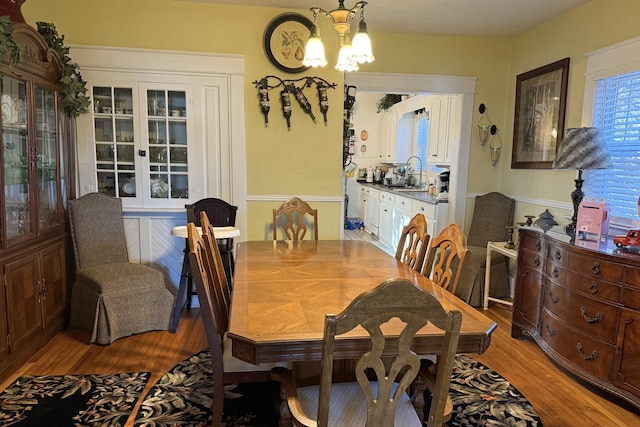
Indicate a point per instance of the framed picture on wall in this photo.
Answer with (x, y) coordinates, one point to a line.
(541, 97)
(285, 39)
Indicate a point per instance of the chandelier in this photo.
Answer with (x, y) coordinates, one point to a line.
(352, 52)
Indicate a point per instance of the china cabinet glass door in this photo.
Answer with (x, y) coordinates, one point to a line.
(114, 135)
(167, 134)
(47, 158)
(17, 159)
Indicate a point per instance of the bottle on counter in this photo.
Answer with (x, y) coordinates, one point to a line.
(370, 174)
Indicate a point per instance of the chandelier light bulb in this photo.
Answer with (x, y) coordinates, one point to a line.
(361, 44)
(345, 59)
(314, 50)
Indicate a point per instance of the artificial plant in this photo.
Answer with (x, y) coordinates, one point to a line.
(75, 101)
(17, 52)
(387, 101)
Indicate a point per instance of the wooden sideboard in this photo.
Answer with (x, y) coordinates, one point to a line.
(582, 307)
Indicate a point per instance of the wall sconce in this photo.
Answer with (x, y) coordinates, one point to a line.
(495, 145)
(351, 53)
(484, 125)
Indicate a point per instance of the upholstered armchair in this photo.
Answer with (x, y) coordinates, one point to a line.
(492, 213)
(112, 297)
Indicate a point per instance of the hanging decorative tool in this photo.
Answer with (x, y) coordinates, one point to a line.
(290, 87)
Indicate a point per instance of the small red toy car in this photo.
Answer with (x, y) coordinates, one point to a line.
(631, 239)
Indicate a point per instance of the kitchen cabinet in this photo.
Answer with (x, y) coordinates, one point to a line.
(582, 307)
(402, 216)
(37, 178)
(444, 128)
(388, 136)
(387, 200)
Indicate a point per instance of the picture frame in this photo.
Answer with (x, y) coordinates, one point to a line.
(284, 41)
(541, 97)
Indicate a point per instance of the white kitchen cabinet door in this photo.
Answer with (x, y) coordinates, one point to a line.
(438, 129)
(388, 130)
(373, 211)
(401, 217)
(386, 218)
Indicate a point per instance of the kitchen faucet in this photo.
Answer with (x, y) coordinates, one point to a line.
(419, 170)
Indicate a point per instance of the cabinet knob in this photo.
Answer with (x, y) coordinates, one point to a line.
(595, 269)
(555, 272)
(553, 299)
(536, 261)
(538, 245)
(558, 255)
(549, 330)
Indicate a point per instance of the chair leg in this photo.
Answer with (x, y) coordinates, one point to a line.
(183, 290)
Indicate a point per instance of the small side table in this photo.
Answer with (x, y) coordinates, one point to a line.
(500, 248)
(185, 287)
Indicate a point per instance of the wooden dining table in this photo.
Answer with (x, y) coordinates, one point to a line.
(283, 289)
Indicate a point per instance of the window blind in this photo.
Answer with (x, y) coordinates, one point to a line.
(616, 111)
(422, 137)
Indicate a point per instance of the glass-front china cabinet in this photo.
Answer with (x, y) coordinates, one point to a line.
(140, 139)
(35, 162)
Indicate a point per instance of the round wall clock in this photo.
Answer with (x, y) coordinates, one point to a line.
(284, 41)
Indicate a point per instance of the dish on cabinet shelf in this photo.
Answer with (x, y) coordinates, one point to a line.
(9, 110)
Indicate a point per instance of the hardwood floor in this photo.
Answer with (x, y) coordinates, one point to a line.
(560, 400)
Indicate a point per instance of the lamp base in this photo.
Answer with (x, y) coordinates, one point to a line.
(576, 198)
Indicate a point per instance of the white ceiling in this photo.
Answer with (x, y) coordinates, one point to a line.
(438, 17)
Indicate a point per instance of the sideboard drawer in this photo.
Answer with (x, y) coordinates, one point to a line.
(532, 260)
(532, 241)
(632, 277)
(596, 268)
(594, 287)
(589, 316)
(589, 354)
(558, 255)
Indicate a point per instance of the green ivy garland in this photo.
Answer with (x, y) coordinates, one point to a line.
(17, 52)
(75, 101)
(74, 88)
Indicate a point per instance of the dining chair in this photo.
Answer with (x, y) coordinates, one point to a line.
(446, 257)
(379, 397)
(217, 272)
(220, 214)
(111, 296)
(295, 210)
(492, 213)
(413, 243)
(208, 281)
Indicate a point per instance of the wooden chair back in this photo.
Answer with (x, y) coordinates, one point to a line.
(295, 210)
(392, 299)
(414, 242)
(447, 252)
(203, 275)
(222, 290)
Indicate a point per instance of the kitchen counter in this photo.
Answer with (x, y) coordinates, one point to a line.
(421, 195)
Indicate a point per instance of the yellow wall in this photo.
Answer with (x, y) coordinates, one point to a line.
(307, 159)
(594, 25)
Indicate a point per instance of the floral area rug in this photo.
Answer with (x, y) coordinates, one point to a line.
(182, 397)
(71, 400)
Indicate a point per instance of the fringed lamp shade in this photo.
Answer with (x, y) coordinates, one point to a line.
(581, 148)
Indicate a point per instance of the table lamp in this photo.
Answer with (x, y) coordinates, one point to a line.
(581, 148)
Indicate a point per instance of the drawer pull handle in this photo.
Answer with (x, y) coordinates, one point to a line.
(593, 356)
(598, 317)
(538, 245)
(596, 268)
(549, 330)
(555, 272)
(536, 261)
(552, 298)
(593, 288)
(558, 255)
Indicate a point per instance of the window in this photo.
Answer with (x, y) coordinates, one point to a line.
(422, 136)
(616, 112)
(612, 103)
